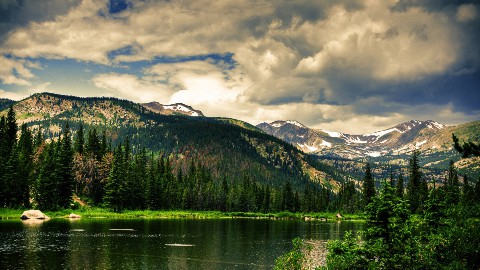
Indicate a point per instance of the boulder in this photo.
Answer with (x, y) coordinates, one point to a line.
(33, 214)
(339, 216)
(74, 216)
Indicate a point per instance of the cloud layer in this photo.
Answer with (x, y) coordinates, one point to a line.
(330, 64)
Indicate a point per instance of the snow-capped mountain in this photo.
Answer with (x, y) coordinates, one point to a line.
(177, 108)
(399, 139)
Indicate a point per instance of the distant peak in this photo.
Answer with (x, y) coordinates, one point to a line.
(280, 123)
(406, 126)
(176, 107)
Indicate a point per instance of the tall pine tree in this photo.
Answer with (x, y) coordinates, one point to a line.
(65, 169)
(368, 186)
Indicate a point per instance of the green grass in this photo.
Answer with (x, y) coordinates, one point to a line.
(94, 212)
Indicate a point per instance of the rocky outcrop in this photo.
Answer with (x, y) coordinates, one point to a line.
(33, 214)
(74, 216)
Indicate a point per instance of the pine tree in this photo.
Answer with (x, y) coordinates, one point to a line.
(452, 185)
(399, 187)
(288, 200)
(46, 185)
(11, 129)
(368, 186)
(3, 153)
(92, 146)
(65, 169)
(415, 187)
(468, 196)
(477, 191)
(25, 174)
(79, 140)
(38, 138)
(114, 189)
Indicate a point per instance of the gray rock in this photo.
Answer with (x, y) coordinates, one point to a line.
(33, 214)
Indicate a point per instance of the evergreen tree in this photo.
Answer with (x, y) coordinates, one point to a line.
(452, 185)
(3, 155)
(92, 146)
(46, 185)
(415, 188)
(79, 140)
(25, 170)
(288, 200)
(65, 168)
(11, 129)
(223, 195)
(468, 196)
(477, 191)
(114, 189)
(13, 185)
(399, 187)
(38, 138)
(467, 149)
(388, 237)
(368, 186)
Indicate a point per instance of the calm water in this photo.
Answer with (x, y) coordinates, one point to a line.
(156, 244)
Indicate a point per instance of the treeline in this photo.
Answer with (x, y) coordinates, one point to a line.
(354, 197)
(46, 172)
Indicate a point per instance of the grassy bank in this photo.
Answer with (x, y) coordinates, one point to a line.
(92, 212)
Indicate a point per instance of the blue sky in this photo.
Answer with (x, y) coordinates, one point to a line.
(349, 66)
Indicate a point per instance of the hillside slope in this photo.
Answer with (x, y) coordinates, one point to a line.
(227, 147)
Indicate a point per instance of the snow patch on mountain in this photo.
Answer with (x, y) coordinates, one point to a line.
(181, 108)
(355, 140)
(382, 133)
(332, 133)
(279, 124)
(418, 144)
(374, 154)
(325, 143)
(307, 148)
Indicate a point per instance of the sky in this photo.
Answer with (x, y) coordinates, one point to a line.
(354, 66)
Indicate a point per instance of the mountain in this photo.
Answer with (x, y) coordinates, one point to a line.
(177, 108)
(227, 147)
(393, 145)
(5, 103)
(399, 139)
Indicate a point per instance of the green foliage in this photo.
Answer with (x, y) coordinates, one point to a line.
(368, 185)
(467, 148)
(446, 236)
(348, 253)
(416, 186)
(292, 260)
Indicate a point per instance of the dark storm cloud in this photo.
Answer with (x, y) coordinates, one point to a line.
(17, 13)
(429, 5)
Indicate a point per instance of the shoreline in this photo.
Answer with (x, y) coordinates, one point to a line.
(94, 213)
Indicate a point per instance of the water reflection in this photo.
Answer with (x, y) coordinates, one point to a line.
(157, 244)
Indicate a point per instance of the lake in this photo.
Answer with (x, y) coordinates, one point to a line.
(156, 243)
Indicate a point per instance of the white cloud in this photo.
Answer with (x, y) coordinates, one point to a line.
(13, 71)
(466, 13)
(10, 95)
(131, 87)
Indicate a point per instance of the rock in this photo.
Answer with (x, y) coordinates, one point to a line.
(33, 214)
(74, 216)
(339, 216)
